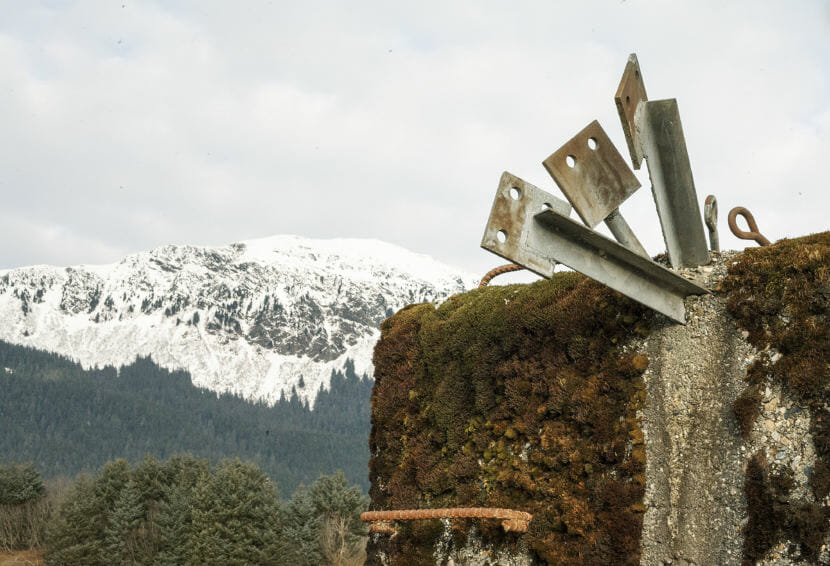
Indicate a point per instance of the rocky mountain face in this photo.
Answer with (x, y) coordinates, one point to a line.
(258, 318)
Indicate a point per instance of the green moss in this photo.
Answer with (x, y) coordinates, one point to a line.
(780, 294)
(514, 396)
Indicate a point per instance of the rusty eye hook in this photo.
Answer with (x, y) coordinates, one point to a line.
(753, 234)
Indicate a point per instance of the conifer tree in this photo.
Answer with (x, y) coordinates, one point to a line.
(300, 541)
(23, 507)
(334, 496)
(185, 471)
(114, 477)
(74, 536)
(20, 483)
(150, 478)
(123, 534)
(236, 517)
(175, 523)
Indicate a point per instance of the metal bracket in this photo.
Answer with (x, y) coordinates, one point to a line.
(521, 230)
(630, 93)
(596, 181)
(654, 132)
(514, 207)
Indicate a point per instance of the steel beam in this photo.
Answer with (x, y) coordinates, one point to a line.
(672, 184)
(654, 133)
(623, 233)
(523, 231)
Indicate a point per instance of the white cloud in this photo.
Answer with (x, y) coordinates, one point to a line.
(210, 122)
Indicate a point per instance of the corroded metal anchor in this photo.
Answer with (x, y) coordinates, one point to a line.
(381, 521)
(753, 233)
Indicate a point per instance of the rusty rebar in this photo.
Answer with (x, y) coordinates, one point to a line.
(710, 215)
(499, 271)
(382, 527)
(753, 233)
(511, 520)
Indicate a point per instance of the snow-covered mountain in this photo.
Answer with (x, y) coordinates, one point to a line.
(256, 318)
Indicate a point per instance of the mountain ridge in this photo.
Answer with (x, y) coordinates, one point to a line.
(257, 318)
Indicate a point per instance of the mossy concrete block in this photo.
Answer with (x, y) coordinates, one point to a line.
(619, 431)
(524, 399)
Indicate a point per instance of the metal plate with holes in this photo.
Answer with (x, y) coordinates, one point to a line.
(630, 93)
(592, 174)
(516, 202)
(537, 239)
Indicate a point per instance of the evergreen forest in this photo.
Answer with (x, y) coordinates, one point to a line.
(66, 419)
(180, 512)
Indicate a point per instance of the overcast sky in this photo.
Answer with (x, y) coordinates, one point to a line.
(127, 125)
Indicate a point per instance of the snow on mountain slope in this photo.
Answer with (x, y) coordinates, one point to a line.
(251, 318)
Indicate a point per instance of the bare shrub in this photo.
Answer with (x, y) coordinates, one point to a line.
(22, 526)
(340, 547)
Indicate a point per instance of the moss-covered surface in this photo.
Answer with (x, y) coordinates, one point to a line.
(746, 408)
(781, 295)
(519, 397)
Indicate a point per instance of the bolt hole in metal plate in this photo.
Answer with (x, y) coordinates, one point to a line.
(595, 180)
(541, 238)
(504, 234)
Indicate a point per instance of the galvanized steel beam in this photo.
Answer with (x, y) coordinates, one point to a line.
(672, 184)
(522, 230)
(654, 133)
(623, 233)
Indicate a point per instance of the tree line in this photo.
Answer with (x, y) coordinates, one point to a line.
(184, 512)
(68, 419)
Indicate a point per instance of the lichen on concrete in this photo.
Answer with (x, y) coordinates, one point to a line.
(780, 297)
(475, 551)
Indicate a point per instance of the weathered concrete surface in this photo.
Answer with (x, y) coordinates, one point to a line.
(694, 461)
(475, 552)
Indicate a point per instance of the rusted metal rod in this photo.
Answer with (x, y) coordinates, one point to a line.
(753, 233)
(511, 520)
(496, 271)
(710, 216)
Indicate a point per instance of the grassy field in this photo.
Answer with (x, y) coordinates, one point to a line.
(21, 558)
